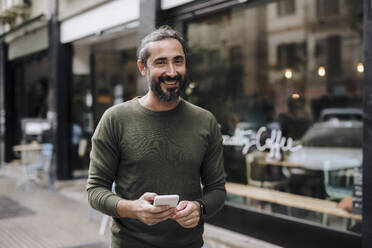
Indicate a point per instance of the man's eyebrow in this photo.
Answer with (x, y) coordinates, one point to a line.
(179, 57)
(160, 59)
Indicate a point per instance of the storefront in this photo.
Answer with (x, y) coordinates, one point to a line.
(27, 88)
(285, 80)
(62, 65)
(104, 71)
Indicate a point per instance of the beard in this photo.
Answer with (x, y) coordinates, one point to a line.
(170, 94)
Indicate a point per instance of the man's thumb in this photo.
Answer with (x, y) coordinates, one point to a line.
(148, 196)
(181, 205)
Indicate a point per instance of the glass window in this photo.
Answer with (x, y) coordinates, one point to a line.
(115, 78)
(81, 124)
(289, 55)
(32, 95)
(286, 7)
(115, 81)
(287, 95)
(327, 8)
(31, 85)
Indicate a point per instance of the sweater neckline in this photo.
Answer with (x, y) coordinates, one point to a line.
(159, 113)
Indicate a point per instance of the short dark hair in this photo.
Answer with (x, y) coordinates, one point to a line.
(162, 33)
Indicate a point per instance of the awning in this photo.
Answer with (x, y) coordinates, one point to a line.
(32, 37)
(23, 24)
(97, 20)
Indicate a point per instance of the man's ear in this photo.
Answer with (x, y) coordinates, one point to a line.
(141, 67)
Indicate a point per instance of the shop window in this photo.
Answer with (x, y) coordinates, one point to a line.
(326, 8)
(213, 57)
(334, 54)
(115, 77)
(286, 7)
(320, 48)
(286, 55)
(235, 54)
(290, 55)
(328, 52)
(292, 131)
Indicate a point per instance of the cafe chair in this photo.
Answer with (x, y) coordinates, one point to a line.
(262, 175)
(41, 165)
(337, 185)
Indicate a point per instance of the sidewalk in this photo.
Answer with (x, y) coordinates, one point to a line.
(59, 218)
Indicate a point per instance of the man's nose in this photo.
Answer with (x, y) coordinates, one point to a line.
(171, 70)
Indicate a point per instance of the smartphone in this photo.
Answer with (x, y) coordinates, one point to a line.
(166, 200)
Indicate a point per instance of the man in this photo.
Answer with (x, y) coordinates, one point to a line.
(155, 145)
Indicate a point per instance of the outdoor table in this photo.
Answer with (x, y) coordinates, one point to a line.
(29, 154)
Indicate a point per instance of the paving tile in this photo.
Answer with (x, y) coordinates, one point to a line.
(10, 208)
(91, 245)
(59, 219)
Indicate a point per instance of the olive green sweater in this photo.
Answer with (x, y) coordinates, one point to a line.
(166, 152)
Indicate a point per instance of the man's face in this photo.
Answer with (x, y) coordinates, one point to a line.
(166, 69)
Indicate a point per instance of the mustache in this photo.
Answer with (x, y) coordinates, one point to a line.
(177, 78)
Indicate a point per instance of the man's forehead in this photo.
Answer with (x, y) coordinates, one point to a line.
(167, 46)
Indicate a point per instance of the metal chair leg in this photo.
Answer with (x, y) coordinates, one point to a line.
(103, 225)
(325, 219)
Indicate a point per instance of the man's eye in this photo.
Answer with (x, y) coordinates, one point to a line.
(160, 62)
(179, 61)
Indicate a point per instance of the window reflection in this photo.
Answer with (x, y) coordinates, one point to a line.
(116, 78)
(292, 67)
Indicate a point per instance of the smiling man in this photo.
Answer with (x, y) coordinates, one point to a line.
(166, 86)
(165, 70)
(153, 145)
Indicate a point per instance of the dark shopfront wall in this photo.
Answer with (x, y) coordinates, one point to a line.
(3, 75)
(281, 230)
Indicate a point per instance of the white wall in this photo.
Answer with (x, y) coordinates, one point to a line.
(35, 41)
(81, 60)
(40, 7)
(167, 4)
(69, 8)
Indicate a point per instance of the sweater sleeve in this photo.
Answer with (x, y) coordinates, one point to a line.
(104, 160)
(212, 173)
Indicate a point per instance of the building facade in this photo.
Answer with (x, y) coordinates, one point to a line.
(272, 72)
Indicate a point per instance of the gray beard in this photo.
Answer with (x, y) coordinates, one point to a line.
(168, 96)
(172, 93)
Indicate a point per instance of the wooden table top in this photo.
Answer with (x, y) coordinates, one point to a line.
(279, 163)
(27, 147)
(289, 199)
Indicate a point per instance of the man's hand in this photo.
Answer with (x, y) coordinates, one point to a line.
(187, 214)
(346, 204)
(143, 210)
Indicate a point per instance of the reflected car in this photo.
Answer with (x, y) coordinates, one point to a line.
(332, 144)
(342, 114)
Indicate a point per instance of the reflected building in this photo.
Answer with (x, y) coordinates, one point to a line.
(319, 43)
